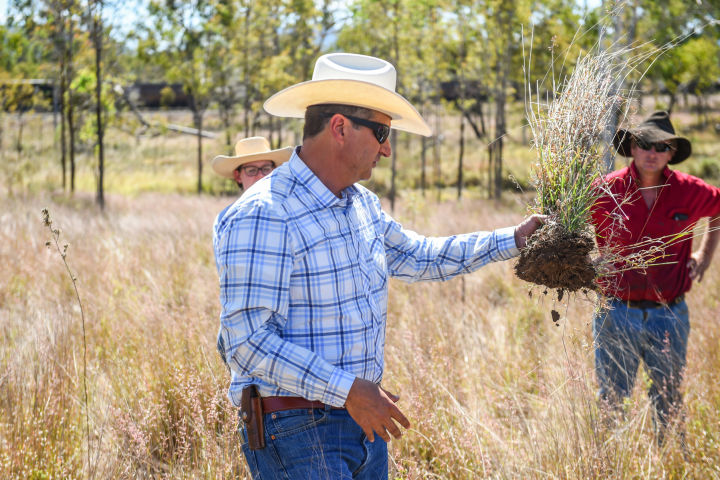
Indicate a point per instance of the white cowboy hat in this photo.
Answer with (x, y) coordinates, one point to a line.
(249, 150)
(350, 79)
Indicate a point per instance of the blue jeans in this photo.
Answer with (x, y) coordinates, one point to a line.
(657, 336)
(316, 444)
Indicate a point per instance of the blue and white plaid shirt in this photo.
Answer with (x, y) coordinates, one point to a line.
(304, 282)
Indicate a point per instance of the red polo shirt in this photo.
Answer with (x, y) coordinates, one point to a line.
(681, 202)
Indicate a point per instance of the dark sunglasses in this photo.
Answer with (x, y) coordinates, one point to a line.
(659, 147)
(380, 130)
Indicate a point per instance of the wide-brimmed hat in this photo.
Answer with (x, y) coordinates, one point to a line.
(657, 128)
(350, 79)
(249, 150)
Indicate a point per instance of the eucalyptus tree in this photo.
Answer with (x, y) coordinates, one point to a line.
(467, 87)
(179, 39)
(17, 94)
(386, 30)
(700, 57)
(305, 31)
(55, 24)
(229, 65)
(485, 47)
(687, 34)
(97, 33)
(427, 67)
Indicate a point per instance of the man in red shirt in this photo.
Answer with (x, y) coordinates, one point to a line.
(647, 316)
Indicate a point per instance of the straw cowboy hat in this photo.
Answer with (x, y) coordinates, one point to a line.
(249, 150)
(657, 128)
(350, 79)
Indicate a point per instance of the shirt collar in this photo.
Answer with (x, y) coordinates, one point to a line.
(636, 176)
(324, 196)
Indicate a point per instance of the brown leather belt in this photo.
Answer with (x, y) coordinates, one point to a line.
(278, 404)
(647, 304)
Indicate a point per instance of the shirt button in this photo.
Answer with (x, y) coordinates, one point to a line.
(274, 416)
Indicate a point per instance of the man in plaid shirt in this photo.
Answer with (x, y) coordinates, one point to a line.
(304, 259)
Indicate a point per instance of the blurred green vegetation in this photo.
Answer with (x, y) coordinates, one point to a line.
(455, 59)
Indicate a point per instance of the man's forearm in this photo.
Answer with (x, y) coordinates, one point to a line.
(413, 257)
(711, 238)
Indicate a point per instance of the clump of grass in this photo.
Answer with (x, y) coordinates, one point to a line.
(570, 135)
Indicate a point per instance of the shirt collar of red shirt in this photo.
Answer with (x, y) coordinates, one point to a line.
(636, 176)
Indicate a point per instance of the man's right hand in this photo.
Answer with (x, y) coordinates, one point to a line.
(527, 228)
(374, 410)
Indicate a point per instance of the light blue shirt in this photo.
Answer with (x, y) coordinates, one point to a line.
(304, 282)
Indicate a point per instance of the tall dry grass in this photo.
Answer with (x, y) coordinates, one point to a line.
(493, 389)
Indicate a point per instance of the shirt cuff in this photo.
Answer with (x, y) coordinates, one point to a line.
(506, 242)
(338, 387)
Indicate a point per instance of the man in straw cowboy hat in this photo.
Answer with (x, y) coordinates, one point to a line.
(304, 259)
(647, 316)
(253, 160)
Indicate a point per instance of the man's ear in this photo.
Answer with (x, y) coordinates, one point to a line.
(338, 126)
(236, 176)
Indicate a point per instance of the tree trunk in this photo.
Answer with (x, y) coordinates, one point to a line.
(198, 126)
(71, 141)
(246, 69)
(423, 148)
(63, 128)
(460, 157)
(482, 116)
(673, 100)
(437, 171)
(490, 153)
(500, 131)
(393, 139)
(423, 164)
(246, 118)
(393, 145)
(498, 167)
(225, 114)
(21, 125)
(70, 110)
(98, 33)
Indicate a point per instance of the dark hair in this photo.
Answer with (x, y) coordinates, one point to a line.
(316, 116)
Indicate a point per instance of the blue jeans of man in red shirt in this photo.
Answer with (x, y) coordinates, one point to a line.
(656, 335)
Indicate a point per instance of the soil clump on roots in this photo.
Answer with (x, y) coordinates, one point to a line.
(555, 258)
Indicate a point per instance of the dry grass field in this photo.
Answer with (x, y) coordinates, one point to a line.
(492, 387)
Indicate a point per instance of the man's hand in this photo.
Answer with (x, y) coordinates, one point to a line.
(374, 409)
(698, 263)
(527, 227)
(603, 266)
(700, 260)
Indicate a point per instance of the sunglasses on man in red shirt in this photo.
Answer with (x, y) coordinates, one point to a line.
(659, 147)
